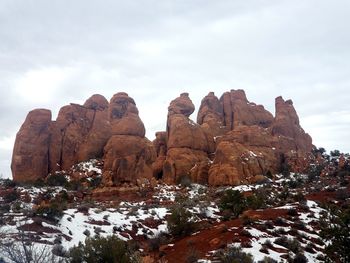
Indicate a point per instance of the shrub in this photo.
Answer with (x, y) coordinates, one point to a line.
(292, 212)
(267, 260)
(56, 179)
(179, 221)
(299, 258)
(292, 244)
(234, 255)
(256, 200)
(185, 180)
(8, 183)
(155, 242)
(234, 202)
(335, 227)
(11, 196)
(102, 250)
(53, 211)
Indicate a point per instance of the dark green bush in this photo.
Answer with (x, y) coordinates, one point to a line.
(234, 202)
(102, 250)
(11, 196)
(56, 180)
(335, 227)
(179, 221)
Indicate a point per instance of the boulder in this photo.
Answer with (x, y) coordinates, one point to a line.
(30, 152)
(181, 105)
(123, 116)
(128, 158)
(184, 133)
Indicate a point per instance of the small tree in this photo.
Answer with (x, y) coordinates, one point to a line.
(335, 227)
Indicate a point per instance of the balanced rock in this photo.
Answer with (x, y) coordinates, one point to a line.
(188, 144)
(124, 116)
(30, 153)
(181, 105)
(128, 155)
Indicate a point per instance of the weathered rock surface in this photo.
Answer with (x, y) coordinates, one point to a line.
(79, 133)
(234, 142)
(239, 111)
(181, 105)
(30, 154)
(211, 116)
(128, 158)
(287, 124)
(128, 154)
(188, 144)
(124, 116)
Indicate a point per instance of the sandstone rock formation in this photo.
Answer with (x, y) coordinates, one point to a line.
(30, 153)
(257, 144)
(188, 144)
(235, 141)
(128, 154)
(79, 133)
(239, 111)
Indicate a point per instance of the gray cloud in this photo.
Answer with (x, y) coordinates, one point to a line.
(56, 52)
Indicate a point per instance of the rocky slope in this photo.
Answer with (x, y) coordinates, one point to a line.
(233, 142)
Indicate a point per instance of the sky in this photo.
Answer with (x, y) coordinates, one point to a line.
(56, 52)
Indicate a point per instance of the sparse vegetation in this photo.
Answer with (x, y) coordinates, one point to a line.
(103, 250)
(234, 255)
(335, 227)
(179, 221)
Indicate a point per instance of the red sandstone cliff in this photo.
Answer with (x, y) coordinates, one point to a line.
(235, 141)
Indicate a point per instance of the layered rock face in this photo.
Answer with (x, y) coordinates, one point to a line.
(128, 154)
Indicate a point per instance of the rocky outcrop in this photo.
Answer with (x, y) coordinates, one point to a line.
(235, 141)
(257, 144)
(30, 153)
(79, 133)
(128, 154)
(286, 123)
(188, 144)
(239, 111)
(211, 116)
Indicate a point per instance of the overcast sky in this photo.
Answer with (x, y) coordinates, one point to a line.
(56, 52)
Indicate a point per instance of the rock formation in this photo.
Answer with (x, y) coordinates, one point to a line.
(128, 154)
(79, 133)
(188, 144)
(235, 141)
(30, 153)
